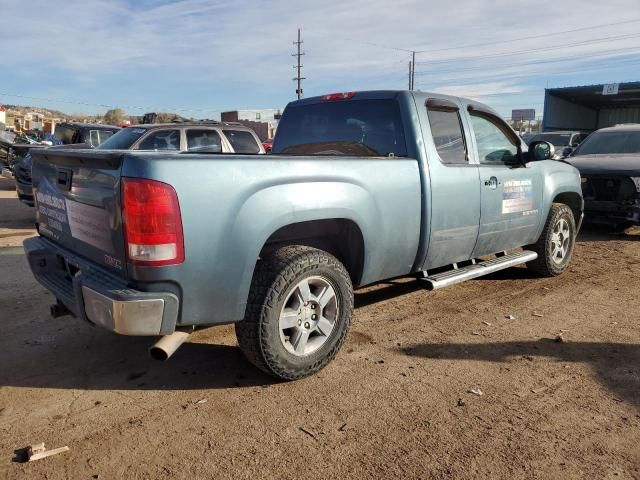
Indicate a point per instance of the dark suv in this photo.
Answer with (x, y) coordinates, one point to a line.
(84, 135)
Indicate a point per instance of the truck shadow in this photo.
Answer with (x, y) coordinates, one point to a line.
(604, 233)
(386, 291)
(615, 364)
(7, 184)
(108, 362)
(15, 215)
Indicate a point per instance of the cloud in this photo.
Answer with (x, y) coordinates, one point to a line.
(243, 49)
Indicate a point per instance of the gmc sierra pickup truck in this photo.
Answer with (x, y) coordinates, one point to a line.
(360, 187)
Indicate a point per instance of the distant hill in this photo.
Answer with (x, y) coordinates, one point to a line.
(47, 112)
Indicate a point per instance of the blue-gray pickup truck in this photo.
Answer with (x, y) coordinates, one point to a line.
(360, 187)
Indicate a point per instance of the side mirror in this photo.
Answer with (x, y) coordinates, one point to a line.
(541, 150)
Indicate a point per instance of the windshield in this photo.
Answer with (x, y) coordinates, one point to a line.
(611, 142)
(123, 139)
(555, 139)
(360, 127)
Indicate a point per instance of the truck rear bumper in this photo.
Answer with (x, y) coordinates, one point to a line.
(95, 295)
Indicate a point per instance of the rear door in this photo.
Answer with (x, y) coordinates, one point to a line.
(206, 140)
(511, 195)
(77, 198)
(455, 187)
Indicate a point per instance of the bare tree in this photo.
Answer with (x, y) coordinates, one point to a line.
(115, 116)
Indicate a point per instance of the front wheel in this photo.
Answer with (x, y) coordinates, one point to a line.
(556, 243)
(298, 314)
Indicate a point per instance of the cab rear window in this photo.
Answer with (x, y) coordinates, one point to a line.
(353, 127)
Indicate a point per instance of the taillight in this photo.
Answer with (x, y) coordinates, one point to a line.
(151, 222)
(339, 96)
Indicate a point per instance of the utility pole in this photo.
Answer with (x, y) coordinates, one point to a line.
(412, 83)
(298, 67)
(410, 70)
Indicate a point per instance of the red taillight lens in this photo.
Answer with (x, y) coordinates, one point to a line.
(152, 223)
(339, 96)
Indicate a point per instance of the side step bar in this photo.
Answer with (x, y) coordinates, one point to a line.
(459, 275)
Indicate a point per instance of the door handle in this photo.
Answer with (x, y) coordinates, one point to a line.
(492, 183)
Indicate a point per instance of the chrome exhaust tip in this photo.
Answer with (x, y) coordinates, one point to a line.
(167, 345)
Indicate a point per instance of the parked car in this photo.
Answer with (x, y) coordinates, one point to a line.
(209, 137)
(563, 142)
(360, 187)
(609, 163)
(12, 148)
(268, 145)
(93, 134)
(86, 134)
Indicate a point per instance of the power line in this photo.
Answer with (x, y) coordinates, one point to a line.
(531, 37)
(514, 75)
(497, 42)
(539, 62)
(541, 49)
(298, 78)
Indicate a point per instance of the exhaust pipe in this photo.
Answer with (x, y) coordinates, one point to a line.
(167, 345)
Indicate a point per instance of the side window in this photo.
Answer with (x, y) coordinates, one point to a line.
(203, 140)
(242, 141)
(577, 139)
(446, 130)
(494, 146)
(161, 140)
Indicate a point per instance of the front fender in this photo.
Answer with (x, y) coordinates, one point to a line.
(559, 178)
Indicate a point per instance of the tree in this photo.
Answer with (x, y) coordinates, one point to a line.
(114, 116)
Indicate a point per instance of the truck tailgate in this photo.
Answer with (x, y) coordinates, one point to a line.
(77, 200)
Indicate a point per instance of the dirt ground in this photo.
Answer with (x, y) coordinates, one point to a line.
(395, 403)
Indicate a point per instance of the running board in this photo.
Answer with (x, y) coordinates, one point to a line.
(459, 275)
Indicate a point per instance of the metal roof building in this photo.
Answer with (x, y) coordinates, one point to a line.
(590, 107)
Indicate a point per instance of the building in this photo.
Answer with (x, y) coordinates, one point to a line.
(263, 121)
(590, 107)
(3, 114)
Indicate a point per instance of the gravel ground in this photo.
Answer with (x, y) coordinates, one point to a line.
(395, 403)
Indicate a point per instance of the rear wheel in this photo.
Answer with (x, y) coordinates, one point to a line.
(555, 245)
(299, 312)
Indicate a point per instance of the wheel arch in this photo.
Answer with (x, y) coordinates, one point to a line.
(574, 201)
(341, 237)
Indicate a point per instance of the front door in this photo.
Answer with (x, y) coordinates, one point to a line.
(510, 194)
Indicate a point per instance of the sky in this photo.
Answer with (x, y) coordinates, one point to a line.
(199, 58)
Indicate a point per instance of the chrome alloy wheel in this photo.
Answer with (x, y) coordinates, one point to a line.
(308, 316)
(560, 240)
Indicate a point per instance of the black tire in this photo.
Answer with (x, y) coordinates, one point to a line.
(547, 264)
(274, 280)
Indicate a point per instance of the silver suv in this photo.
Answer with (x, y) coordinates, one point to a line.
(202, 137)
